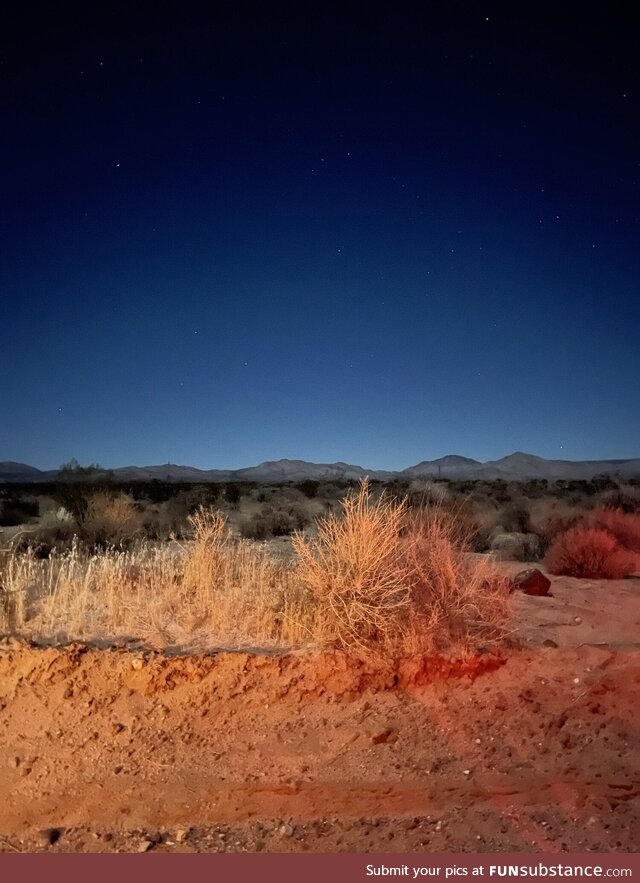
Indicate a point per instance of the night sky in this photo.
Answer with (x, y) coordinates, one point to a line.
(237, 233)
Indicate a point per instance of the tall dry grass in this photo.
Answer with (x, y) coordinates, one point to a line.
(374, 580)
(216, 591)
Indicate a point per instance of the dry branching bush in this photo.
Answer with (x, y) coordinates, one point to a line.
(111, 521)
(551, 518)
(589, 552)
(457, 600)
(352, 570)
(390, 580)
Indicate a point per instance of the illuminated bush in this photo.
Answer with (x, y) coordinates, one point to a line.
(589, 552)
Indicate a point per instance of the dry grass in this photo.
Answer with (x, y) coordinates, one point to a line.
(375, 580)
(216, 591)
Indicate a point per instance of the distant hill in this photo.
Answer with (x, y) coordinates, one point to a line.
(522, 467)
(299, 470)
(515, 467)
(10, 471)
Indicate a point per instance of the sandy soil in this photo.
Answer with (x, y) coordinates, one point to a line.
(537, 749)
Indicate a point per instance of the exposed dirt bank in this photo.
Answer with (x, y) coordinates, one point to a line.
(107, 750)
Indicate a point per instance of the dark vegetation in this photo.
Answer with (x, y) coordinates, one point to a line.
(515, 520)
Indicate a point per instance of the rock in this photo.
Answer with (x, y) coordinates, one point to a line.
(548, 642)
(181, 835)
(286, 830)
(137, 663)
(14, 762)
(532, 582)
(145, 846)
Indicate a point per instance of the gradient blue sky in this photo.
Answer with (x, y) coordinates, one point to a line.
(243, 233)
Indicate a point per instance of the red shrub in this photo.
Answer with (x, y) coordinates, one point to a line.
(589, 552)
(624, 526)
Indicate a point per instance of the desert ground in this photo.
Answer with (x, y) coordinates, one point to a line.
(533, 748)
(528, 744)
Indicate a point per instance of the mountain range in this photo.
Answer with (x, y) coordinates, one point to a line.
(515, 467)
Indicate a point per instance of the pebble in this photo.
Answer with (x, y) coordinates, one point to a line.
(286, 830)
(145, 846)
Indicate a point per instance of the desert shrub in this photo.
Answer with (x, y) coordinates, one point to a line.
(626, 498)
(515, 518)
(41, 542)
(397, 488)
(426, 493)
(353, 572)
(206, 495)
(309, 488)
(516, 546)
(590, 552)
(169, 519)
(274, 521)
(17, 510)
(624, 526)
(547, 523)
(456, 600)
(456, 515)
(500, 491)
(76, 485)
(232, 493)
(155, 491)
(387, 578)
(110, 521)
(535, 488)
(485, 522)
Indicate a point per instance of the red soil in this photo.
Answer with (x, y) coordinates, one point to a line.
(538, 749)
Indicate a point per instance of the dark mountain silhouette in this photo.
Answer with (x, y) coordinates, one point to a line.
(515, 467)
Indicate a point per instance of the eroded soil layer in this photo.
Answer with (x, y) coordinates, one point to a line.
(107, 750)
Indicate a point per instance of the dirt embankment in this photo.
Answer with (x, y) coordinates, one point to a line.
(107, 750)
